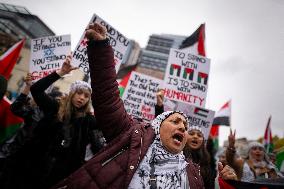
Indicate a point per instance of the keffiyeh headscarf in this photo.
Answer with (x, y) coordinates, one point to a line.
(198, 128)
(170, 169)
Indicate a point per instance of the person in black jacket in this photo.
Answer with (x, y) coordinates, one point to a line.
(67, 129)
(15, 150)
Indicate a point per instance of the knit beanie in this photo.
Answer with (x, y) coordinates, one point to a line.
(194, 127)
(156, 123)
(255, 144)
(80, 85)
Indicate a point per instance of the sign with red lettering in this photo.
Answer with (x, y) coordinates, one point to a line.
(48, 55)
(139, 96)
(186, 77)
(118, 42)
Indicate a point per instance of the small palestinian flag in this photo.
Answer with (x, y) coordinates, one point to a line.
(9, 123)
(195, 43)
(123, 83)
(223, 116)
(267, 139)
(9, 59)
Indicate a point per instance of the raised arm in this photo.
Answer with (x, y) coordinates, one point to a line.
(47, 104)
(233, 161)
(159, 107)
(21, 106)
(108, 107)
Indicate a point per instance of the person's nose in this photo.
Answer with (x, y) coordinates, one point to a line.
(81, 96)
(181, 128)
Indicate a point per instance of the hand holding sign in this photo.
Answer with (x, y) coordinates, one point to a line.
(66, 67)
(28, 79)
(96, 31)
(160, 97)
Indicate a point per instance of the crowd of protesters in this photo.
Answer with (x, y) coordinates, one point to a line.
(49, 150)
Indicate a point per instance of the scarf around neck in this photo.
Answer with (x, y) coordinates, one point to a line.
(170, 169)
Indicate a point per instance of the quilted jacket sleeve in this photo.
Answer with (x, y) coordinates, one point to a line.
(108, 107)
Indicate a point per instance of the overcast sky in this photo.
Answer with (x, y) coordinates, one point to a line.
(244, 40)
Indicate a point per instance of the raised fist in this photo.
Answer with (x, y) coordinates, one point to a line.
(96, 31)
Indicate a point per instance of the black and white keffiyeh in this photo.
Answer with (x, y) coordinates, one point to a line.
(170, 169)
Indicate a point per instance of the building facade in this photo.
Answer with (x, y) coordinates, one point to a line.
(154, 58)
(16, 23)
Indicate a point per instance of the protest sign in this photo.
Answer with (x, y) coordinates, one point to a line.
(198, 117)
(118, 42)
(186, 77)
(48, 55)
(139, 96)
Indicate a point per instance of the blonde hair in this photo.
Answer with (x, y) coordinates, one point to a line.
(67, 109)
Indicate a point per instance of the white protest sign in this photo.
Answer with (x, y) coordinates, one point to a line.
(118, 42)
(139, 96)
(186, 77)
(48, 55)
(199, 117)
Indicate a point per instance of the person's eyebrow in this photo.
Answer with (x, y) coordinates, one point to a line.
(183, 121)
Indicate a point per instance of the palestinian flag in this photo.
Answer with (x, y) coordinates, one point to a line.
(280, 160)
(195, 43)
(123, 83)
(214, 135)
(9, 123)
(267, 139)
(223, 116)
(9, 59)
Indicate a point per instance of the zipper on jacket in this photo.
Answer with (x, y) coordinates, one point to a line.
(140, 152)
(113, 157)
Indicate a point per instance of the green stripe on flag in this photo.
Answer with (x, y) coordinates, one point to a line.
(216, 143)
(280, 160)
(9, 131)
(121, 91)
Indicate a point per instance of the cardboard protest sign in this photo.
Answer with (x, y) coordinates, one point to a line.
(139, 96)
(48, 54)
(186, 77)
(118, 42)
(199, 117)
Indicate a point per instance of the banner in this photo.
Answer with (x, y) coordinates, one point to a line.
(48, 54)
(199, 117)
(277, 183)
(118, 42)
(186, 77)
(139, 96)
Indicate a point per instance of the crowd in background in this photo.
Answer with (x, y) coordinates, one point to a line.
(50, 149)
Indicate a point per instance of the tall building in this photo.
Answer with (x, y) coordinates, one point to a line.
(153, 59)
(16, 23)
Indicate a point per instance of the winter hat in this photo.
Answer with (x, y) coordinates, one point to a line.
(156, 123)
(193, 127)
(255, 144)
(80, 85)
